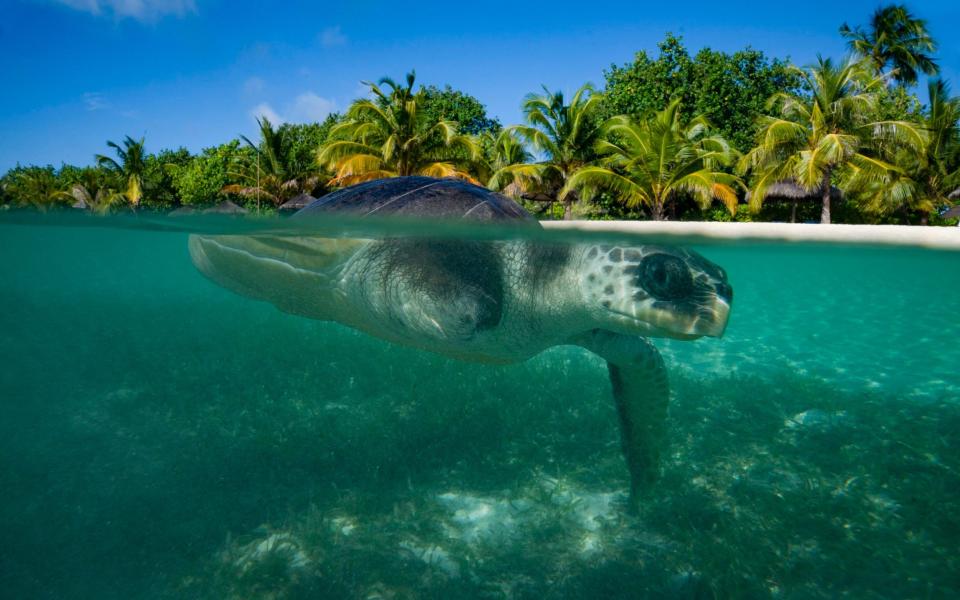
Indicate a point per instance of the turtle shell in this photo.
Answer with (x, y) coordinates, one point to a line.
(420, 197)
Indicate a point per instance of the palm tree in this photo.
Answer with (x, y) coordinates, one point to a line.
(655, 161)
(896, 38)
(271, 172)
(830, 133)
(91, 192)
(565, 134)
(501, 151)
(389, 136)
(128, 167)
(36, 187)
(98, 199)
(924, 179)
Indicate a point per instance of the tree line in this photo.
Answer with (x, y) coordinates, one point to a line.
(710, 136)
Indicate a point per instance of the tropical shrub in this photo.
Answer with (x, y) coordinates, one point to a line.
(389, 135)
(653, 162)
(730, 90)
(566, 135)
(201, 181)
(830, 135)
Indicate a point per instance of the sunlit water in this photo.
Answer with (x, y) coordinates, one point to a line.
(163, 437)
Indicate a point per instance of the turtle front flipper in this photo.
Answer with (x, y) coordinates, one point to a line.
(641, 392)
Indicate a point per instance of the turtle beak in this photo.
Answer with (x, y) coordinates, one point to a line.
(713, 321)
(712, 318)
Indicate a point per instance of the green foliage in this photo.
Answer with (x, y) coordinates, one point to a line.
(654, 161)
(34, 187)
(899, 104)
(922, 180)
(391, 135)
(832, 136)
(158, 178)
(201, 181)
(566, 135)
(499, 152)
(897, 39)
(128, 168)
(299, 142)
(5, 197)
(895, 159)
(279, 166)
(90, 188)
(728, 89)
(467, 112)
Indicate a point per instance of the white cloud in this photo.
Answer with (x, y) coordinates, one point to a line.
(265, 110)
(95, 101)
(311, 107)
(332, 36)
(253, 85)
(306, 107)
(140, 10)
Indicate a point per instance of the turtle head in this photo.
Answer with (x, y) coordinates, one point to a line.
(656, 291)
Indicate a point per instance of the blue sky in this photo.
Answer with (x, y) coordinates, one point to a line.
(194, 73)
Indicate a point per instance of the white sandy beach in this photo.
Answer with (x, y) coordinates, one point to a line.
(947, 238)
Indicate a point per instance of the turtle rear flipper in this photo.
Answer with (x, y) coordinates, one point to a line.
(641, 392)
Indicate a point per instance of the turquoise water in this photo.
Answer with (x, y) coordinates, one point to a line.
(162, 437)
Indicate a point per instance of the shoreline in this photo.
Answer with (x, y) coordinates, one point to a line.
(941, 238)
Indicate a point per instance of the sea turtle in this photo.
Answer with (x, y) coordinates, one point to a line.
(488, 301)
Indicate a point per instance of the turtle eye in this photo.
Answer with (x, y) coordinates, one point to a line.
(665, 277)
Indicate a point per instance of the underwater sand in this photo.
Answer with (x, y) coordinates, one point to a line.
(164, 438)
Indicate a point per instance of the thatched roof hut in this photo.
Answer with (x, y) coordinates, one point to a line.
(790, 190)
(954, 195)
(515, 190)
(296, 203)
(226, 208)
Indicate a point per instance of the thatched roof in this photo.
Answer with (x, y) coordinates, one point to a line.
(791, 190)
(80, 204)
(183, 210)
(515, 190)
(296, 203)
(954, 194)
(225, 208)
(538, 197)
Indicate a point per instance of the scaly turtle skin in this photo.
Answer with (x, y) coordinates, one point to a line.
(489, 301)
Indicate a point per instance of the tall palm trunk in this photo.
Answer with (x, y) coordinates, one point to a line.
(825, 209)
(793, 211)
(656, 210)
(568, 201)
